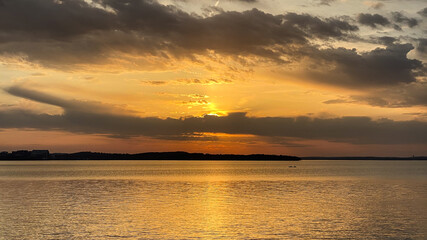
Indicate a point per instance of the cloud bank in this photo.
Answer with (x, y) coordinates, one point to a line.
(79, 117)
(67, 34)
(72, 31)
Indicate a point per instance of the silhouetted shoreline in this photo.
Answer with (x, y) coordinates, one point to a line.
(45, 155)
(366, 158)
(179, 155)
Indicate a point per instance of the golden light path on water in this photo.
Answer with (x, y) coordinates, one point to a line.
(213, 200)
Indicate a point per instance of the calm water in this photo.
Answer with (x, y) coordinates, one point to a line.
(213, 200)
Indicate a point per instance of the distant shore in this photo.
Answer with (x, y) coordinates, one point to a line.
(179, 155)
(415, 158)
(45, 155)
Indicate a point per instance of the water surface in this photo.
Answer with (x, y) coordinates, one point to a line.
(213, 200)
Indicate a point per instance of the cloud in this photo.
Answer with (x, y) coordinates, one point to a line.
(423, 12)
(38, 74)
(144, 34)
(401, 96)
(379, 67)
(209, 81)
(320, 28)
(326, 2)
(387, 40)
(156, 82)
(372, 20)
(422, 45)
(52, 19)
(400, 18)
(67, 105)
(188, 81)
(76, 32)
(356, 130)
(374, 4)
(337, 101)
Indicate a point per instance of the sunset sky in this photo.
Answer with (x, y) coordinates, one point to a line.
(296, 77)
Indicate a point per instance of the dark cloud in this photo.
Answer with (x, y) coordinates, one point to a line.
(379, 67)
(423, 12)
(356, 130)
(321, 28)
(386, 40)
(372, 20)
(422, 45)
(326, 2)
(156, 82)
(400, 18)
(67, 105)
(77, 32)
(401, 96)
(52, 19)
(73, 33)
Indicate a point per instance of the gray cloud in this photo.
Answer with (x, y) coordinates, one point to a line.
(326, 2)
(74, 33)
(372, 20)
(321, 28)
(77, 32)
(423, 12)
(400, 18)
(67, 105)
(379, 67)
(400, 96)
(376, 20)
(386, 40)
(356, 130)
(50, 19)
(422, 45)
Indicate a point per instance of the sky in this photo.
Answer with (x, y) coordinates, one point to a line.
(293, 77)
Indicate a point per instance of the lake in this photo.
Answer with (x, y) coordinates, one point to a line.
(213, 199)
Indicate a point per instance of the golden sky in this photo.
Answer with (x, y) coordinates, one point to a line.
(306, 77)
